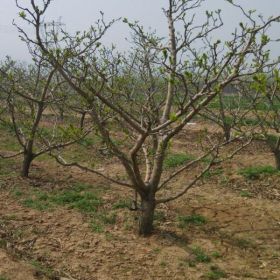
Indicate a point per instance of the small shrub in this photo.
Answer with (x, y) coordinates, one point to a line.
(255, 172)
(195, 219)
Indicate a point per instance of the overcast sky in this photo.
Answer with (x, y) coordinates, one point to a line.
(80, 14)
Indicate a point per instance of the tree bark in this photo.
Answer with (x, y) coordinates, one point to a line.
(146, 216)
(227, 130)
(28, 157)
(82, 120)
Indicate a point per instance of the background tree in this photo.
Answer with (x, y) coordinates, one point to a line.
(30, 92)
(230, 111)
(152, 93)
(263, 93)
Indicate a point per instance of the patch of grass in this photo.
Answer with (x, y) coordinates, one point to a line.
(3, 243)
(41, 269)
(4, 277)
(83, 201)
(121, 204)
(216, 273)
(200, 255)
(254, 172)
(78, 187)
(175, 160)
(195, 219)
(6, 167)
(17, 193)
(96, 226)
(216, 255)
(35, 203)
(213, 172)
(100, 220)
(108, 219)
(87, 142)
(245, 194)
(156, 250)
(159, 216)
(76, 197)
(10, 217)
(243, 243)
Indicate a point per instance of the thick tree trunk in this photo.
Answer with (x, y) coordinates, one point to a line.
(277, 158)
(146, 216)
(28, 157)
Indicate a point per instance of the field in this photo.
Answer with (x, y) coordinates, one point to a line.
(66, 224)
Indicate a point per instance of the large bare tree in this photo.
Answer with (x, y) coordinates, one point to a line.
(153, 92)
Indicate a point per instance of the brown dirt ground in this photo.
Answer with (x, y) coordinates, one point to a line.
(242, 234)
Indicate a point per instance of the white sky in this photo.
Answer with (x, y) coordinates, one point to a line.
(80, 14)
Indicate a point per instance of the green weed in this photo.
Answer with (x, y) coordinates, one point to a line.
(121, 204)
(108, 219)
(215, 273)
(254, 172)
(96, 226)
(175, 160)
(216, 255)
(195, 219)
(35, 203)
(245, 194)
(41, 269)
(83, 201)
(159, 216)
(200, 255)
(243, 243)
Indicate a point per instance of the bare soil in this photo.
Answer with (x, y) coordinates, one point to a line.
(240, 238)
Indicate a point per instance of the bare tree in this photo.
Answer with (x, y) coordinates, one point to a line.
(29, 93)
(231, 112)
(263, 93)
(152, 93)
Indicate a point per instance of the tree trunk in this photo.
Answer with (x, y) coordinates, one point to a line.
(146, 216)
(227, 130)
(28, 157)
(277, 158)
